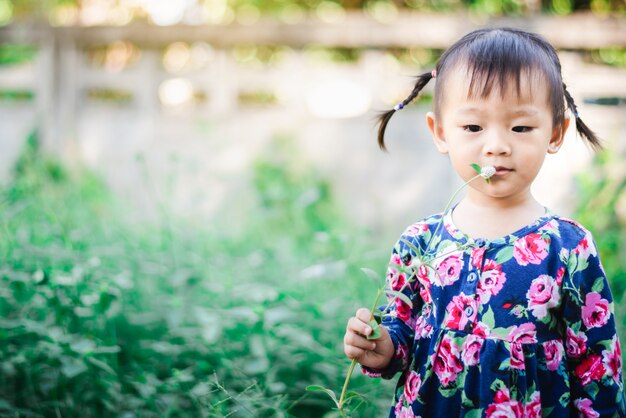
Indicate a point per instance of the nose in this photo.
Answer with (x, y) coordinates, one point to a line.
(496, 143)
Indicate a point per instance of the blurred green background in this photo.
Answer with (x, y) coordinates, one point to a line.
(182, 234)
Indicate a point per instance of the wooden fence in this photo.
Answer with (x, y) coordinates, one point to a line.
(217, 129)
(60, 75)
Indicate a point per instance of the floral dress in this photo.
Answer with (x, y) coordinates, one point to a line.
(520, 326)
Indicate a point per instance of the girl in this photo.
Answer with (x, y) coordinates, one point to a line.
(513, 317)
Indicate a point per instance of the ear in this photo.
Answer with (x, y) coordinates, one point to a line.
(558, 135)
(437, 133)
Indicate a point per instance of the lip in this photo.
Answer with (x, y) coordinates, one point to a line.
(501, 170)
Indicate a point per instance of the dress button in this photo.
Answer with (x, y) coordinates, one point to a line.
(471, 278)
(480, 242)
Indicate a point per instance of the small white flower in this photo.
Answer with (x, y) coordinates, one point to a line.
(487, 172)
(416, 263)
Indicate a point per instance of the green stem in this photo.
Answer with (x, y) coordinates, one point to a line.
(353, 364)
(450, 201)
(380, 292)
(345, 385)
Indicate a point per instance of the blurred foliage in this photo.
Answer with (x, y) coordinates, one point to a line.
(11, 54)
(602, 209)
(100, 317)
(294, 9)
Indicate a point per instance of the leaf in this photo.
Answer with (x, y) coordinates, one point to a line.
(598, 285)
(504, 255)
(72, 367)
(489, 318)
(401, 296)
(314, 388)
(371, 274)
(375, 330)
(378, 316)
(473, 413)
(351, 395)
(476, 167)
(102, 365)
(592, 389)
(497, 385)
(449, 392)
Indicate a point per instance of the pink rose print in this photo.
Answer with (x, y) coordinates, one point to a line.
(518, 336)
(590, 369)
(585, 409)
(533, 408)
(595, 312)
(424, 284)
(551, 226)
(612, 360)
(417, 229)
(470, 353)
(504, 406)
(462, 311)
(554, 352)
(477, 256)
(584, 249)
(542, 295)
(412, 386)
(450, 269)
(403, 310)
(559, 276)
(491, 281)
(422, 328)
(395, 278)
(576, 343)
(447, 361)
(404, 411)
(482, 330)
(531, 249)
(402, 353)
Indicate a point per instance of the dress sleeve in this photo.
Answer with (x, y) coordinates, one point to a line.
(400, 316)
(592, 346)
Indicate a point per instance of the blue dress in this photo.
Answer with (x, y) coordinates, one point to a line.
(520, 326)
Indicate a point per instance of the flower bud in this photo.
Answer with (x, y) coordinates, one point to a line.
(487, 172)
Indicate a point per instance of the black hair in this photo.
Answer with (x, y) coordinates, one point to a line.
(492, 58)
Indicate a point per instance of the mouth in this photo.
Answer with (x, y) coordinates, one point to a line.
(501, 171)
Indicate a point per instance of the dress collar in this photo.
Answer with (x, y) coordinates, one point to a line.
(461, 236)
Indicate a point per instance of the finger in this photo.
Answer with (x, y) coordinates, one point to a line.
(358, 341)
(357, 325)
(353, 352)
(364, 315)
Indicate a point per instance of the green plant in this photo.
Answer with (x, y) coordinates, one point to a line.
(101, 317)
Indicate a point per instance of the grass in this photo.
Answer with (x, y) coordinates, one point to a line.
(179, 318)
(105, 318)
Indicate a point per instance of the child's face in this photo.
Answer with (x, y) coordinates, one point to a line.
(511, 132)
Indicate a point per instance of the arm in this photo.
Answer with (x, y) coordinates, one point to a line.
(592, 346)
(396, 322)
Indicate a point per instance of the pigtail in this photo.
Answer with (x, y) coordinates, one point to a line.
(422, 80)
(581, 127)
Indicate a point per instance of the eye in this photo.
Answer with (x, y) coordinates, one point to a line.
(522, 129)
(472, 128)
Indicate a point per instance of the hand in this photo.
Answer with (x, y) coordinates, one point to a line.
(370, 353)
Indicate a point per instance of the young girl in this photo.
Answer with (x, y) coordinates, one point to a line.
(515, 317)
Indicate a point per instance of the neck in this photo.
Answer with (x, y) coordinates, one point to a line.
(522, 201)
(493, 218)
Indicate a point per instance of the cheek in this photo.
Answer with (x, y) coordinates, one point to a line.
(461, 162)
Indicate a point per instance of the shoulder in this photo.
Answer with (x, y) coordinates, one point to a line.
(571, 232)
(569, 238)
(423, 226)
(416, 235)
